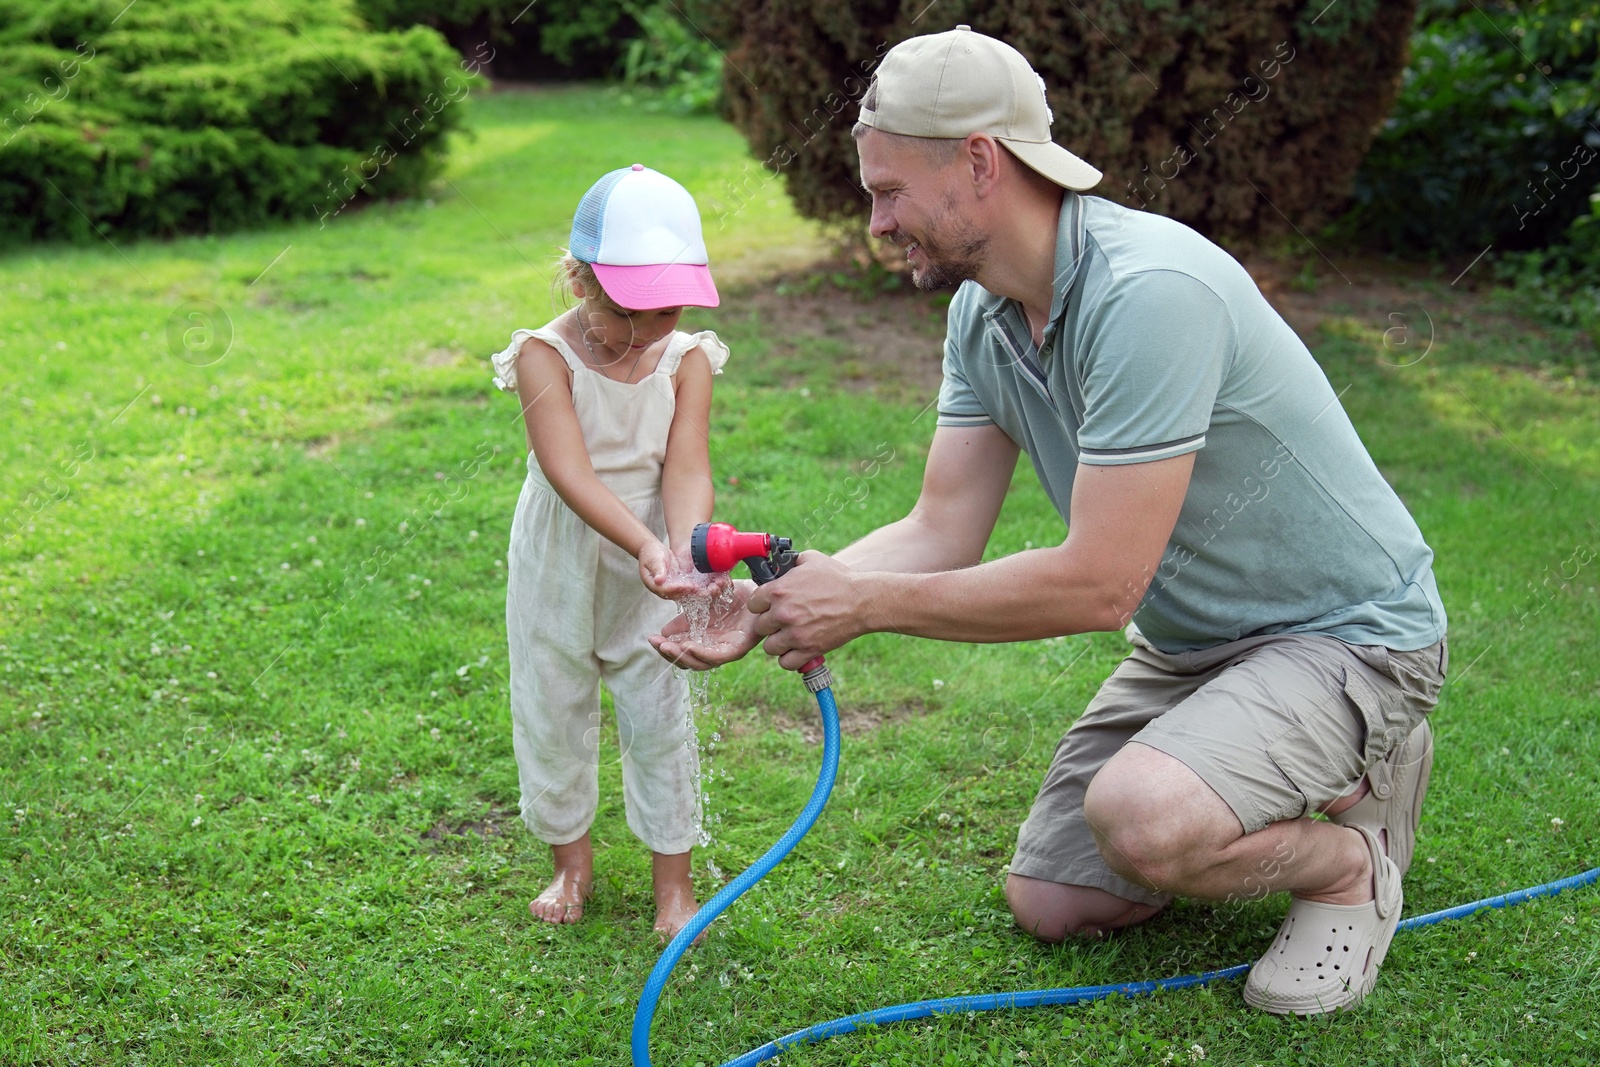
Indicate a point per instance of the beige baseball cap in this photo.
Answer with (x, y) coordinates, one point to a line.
(959, 82)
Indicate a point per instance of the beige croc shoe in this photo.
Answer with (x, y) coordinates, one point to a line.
(1326, 956)
(1392, 808)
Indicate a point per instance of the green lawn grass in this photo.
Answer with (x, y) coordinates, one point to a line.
(255, 767)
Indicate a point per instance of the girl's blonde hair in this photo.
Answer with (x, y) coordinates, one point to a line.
(570, 270)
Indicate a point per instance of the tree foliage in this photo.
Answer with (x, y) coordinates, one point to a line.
(1495, 140)
(550, 38)
(664, 63)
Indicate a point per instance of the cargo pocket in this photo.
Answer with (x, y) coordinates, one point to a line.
(1389, 716)
(1310, 773)
(1419, 674)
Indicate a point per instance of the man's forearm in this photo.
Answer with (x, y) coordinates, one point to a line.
(1027, 596)
(909, 546)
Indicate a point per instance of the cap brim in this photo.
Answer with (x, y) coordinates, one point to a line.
(1055, 163)
(666, 285)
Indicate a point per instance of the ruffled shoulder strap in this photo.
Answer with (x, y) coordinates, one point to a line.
(505, 361)
(683, 343)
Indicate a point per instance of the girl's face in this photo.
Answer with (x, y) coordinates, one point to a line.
(626, 331)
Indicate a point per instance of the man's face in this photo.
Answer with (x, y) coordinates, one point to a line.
(919, 205)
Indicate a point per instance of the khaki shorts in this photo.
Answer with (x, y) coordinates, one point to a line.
(1278, 726)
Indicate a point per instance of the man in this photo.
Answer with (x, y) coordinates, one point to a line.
(1289, 636)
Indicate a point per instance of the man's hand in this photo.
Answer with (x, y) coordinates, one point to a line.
(729, 634)
(811, 610)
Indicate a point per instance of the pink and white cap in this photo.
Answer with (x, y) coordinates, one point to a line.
(640, 230)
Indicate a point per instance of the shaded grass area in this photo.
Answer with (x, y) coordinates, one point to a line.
(259, 804)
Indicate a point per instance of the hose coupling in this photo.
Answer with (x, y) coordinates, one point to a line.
(818, 678)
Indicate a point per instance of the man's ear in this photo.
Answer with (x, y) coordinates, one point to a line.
(981, 154)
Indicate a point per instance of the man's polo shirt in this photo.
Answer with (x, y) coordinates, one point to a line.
(1159, 343)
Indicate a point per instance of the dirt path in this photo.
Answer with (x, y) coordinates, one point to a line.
(896, 336)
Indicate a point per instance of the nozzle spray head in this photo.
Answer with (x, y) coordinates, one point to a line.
(717, 547)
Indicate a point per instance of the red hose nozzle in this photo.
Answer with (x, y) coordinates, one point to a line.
(717, 547)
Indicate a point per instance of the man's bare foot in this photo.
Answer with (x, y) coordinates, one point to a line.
(563, 899)
(674, 889)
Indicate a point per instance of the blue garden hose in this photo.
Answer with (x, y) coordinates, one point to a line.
(645, 1014)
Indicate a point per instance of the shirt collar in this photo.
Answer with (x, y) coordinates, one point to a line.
(1069, 258)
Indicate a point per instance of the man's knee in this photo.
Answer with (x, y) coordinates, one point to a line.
(1053, 912)
(1151, 816)
(1133, 834)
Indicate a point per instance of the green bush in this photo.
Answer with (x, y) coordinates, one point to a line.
(1561, 283)
(1231, 116)
(212, 115)
(1493, 141)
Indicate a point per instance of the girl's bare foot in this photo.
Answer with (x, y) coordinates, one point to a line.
(563, 899)
(674, 889)
(674, 909)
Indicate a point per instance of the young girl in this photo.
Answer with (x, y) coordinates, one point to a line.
(616, 402)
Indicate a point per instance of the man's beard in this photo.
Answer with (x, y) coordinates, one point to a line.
(949, 262)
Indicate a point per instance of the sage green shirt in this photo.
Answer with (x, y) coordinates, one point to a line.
(1159, 343)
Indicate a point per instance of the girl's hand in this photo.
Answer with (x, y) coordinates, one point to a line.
(672, 576)
(698, 583)
(656, 569)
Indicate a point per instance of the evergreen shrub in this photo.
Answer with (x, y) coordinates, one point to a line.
(209, 115)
